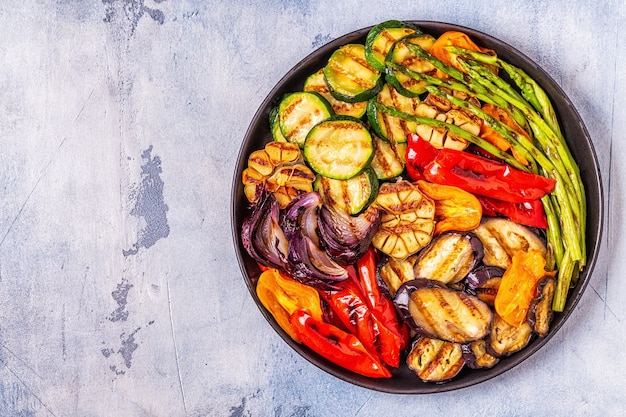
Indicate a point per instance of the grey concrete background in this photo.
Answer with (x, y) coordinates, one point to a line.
(120, 294)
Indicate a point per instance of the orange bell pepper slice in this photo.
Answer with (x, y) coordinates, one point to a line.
(458, 39)
(519, 286)
(282, 295)
(455, 209)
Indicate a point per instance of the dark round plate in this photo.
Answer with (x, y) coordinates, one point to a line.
(403, 380)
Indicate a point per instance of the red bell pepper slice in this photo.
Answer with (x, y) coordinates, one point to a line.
(419, 153)
(473, 173)
(350, 308)
(382, 307)
(528, 213)
(337, 346)
(374, 323)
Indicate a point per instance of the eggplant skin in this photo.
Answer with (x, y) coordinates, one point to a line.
(435, 310)
(434, 360)
(505, 339)
(540, 312)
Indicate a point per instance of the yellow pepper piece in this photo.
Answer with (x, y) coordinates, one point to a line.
(519, 286)
(282, 295)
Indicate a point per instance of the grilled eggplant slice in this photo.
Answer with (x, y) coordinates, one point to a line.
(449, 257)
(435, 360)
(477, 357)
(395, 272)
(501, 238)
(434, 310)
(407, 219)
(505, 339)
(540, 311)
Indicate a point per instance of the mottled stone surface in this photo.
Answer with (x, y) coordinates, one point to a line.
(120, 124)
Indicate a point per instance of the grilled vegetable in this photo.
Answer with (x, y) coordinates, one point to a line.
(277, 135)
(281, 296)
(346, 238)
(262, 236)
(400, 58)
(435, 360)
(454, 38)
(277, 168)
(505, 339)
(540, 312)
(395, 272)
(519, 286)
(389, 158)
(391, 128)
(482, 176)
(455, 209)
(449, 258)
(476, 355)
(382, 307)
(528, 213)
(352, 195)
(484, 281)
(350, 77)
(316, 83)
(298, 112)
(360, 309)
(339, 148)
(434, 310)
(437, 108)
(502, 238)
(337, 346)
(503, 116)
(407, 219)
(308, 262)
(381, 38)
(288, 182)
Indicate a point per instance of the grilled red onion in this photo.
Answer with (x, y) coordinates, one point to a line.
(346, 238)
(308, 262)
(301, 213)
(262, 235)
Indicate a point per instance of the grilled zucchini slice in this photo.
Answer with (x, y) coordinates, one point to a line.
(389, 158)
(339, 148)
(298, 112)
(350, 77)
(317, 83)
(391, 128)
(381, 38)
(401, 55)
(352, 195)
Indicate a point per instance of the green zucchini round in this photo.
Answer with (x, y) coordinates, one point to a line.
(339, 147)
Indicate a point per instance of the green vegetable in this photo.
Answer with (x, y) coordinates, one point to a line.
(566, 208)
